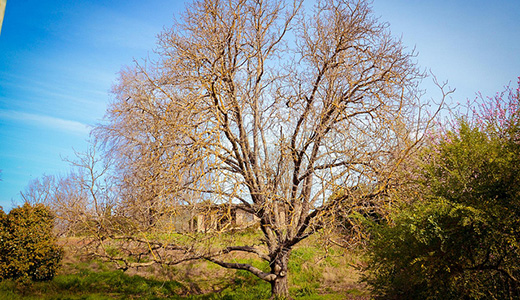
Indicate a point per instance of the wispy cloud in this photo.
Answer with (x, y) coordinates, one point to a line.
(47, 121)
(105, 27)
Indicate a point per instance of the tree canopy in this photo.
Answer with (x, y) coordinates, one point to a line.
(271, 105)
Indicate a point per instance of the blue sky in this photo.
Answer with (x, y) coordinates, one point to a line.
(58, 60)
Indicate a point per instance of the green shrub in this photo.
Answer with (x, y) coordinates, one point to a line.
(432, 251)
(462, 241)
(28, 249)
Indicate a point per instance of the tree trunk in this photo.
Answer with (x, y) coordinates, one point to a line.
(280, 286)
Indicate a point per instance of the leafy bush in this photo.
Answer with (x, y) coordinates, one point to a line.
(462, 241)
(432, 251)
(28, 249)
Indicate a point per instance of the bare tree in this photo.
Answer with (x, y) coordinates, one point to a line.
(83, 199)
(293, 112)
(63, 195)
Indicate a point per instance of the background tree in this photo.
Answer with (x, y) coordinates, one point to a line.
(83, 200)
(461, 240)
(270, 105)
(61, 194)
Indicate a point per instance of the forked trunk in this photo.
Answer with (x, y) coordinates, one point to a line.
(280, 286)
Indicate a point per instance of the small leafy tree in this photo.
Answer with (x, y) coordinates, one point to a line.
(28, 249)
(462, 241)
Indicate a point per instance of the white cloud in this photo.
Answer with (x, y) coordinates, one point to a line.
(47, 121)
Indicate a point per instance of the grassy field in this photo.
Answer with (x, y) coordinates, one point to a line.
(314, 274)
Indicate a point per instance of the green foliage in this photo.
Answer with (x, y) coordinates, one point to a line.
(423, 255)
(462, 240)
(28, 249)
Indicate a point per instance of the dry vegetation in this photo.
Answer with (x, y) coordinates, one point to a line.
(316, 273)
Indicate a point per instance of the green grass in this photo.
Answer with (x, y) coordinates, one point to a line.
(117, 285)
(314, 274)
(89, 285)
(93, 285)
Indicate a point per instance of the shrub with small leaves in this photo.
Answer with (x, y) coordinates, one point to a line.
(461, 237)
(28, 249)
